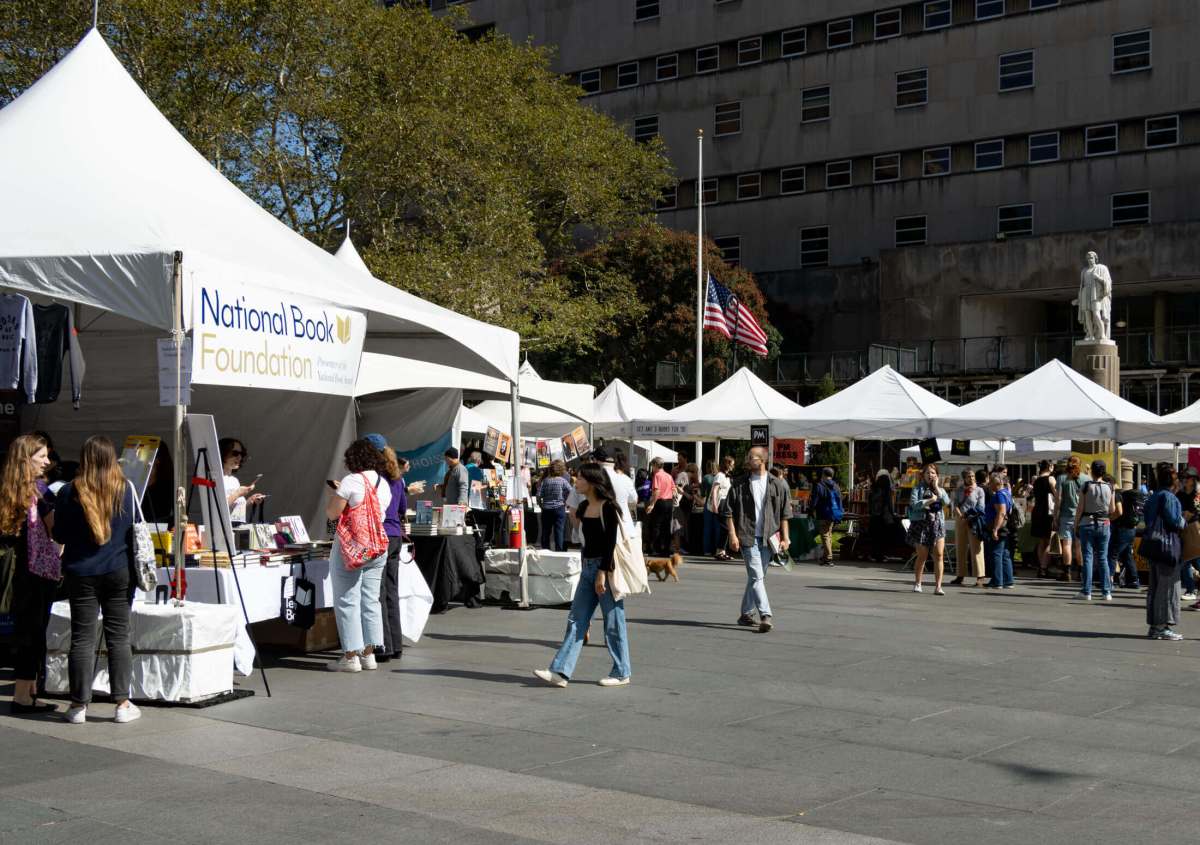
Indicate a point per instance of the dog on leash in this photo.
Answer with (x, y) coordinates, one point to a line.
(662, 567)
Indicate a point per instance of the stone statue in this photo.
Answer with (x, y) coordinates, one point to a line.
(1095, 301)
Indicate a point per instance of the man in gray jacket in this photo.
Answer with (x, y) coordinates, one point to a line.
(755, 511)
(456, 486)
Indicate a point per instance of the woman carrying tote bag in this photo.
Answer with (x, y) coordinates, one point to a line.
(601, 520)
(1160, 547)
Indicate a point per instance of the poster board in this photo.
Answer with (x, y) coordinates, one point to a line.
(202, 432)
(960, 448)
(504, 450)
(788, 452)
(582, 445)
(491, 442)
(137, 460)
(570, 453)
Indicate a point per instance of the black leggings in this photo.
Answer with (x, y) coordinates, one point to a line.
(32, 597)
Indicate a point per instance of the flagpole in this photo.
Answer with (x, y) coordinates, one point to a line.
(700, 280)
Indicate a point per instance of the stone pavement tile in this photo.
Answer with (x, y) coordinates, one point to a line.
(466, 742)
(326, 766)
(298, 715)
(213, 740)
(1130, 805)
(18, 815)
(1048, 758)
(77, 830)
(363, 823)
(28, 757)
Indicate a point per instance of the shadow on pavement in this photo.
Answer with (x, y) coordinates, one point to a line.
(466, 674)
(498, 639)
(686, 623)
(1085, 635)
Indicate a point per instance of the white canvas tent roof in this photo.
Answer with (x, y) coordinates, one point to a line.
(988, 452)
(109, 190)
(1052, 402)
(617, 406)
(883, 406)
(1184, 424)
(727, 411)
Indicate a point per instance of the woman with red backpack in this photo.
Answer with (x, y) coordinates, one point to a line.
(359, 555)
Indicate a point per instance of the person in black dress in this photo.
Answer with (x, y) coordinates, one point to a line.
(1041, 526)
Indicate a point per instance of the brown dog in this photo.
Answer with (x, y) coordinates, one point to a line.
(664, 566)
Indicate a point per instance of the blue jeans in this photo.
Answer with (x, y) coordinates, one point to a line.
(356, 601)
(1093, 543)
(714, 532)
(554, 519)
(1120, 552)
(998, 557)
(583, 607)
(757, 557)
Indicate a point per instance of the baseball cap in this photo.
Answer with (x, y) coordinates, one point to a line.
(376, 440)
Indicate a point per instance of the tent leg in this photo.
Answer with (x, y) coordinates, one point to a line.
(850, 470)
(518, 457)
(177, 435)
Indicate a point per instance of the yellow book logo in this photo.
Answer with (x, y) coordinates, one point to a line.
(343, 329)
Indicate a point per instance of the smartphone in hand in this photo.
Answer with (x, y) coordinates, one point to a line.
(333, 485)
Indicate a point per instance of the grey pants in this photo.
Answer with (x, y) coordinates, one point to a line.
(1162, 600)
(92, 595)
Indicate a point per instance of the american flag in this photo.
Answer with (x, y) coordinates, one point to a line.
(724, 312)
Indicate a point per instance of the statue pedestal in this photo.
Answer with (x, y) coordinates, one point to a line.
(1100, 362)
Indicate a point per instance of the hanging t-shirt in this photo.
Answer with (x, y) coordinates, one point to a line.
(18, 345)
(55, 330)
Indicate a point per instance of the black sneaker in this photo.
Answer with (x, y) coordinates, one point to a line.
(746, 620)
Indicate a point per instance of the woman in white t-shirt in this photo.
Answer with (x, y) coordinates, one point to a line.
(238, 495)
(356, 591)
(714, 526)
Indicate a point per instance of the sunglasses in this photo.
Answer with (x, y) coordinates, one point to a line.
(237, 453)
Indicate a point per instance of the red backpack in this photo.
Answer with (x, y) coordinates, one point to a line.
(360, 530)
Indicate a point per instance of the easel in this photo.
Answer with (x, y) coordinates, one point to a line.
(202, 477)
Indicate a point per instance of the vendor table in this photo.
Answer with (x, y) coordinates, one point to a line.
(451, 569)
(491, 525)
(179, 653)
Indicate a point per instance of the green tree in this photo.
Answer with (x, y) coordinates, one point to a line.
(659, 324)
(469, 168)
(829, 453)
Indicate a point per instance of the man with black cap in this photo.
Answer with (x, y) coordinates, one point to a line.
(456, 486)
(1093, 527)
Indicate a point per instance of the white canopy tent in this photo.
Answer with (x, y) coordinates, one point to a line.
(1183, 425)
(883, 406)
(724, 413)
(1052, 402)
(617, 406)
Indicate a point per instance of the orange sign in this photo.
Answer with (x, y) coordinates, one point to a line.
(788, 452)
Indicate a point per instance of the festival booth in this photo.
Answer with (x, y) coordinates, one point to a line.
(152, 240)
(724, 413)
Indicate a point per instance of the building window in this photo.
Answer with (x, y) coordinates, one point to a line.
(887, 24)
(645, 128)
(936, 161)
(1016, 71)
(1034, 5)
(1132, 209)
(1131, 52)
(729, 118)
(668, 200)
(837, 175)
(666, 67)
(709, 191)
(937, 14)
(911, 231)
(1014, 220)
(912, 88)
(749, 186)
(708, 59)
(644, 10)
(749, 51)
(589, 81)
(814, 104)
(1043, 147)
(1162, 131)
(814, 246)
(839, 33)
(989, 155)
(887, 168)
(794, 42)
(627, 75)
(791, 180)
(1100, 140)
(731, 249)
(987, 9)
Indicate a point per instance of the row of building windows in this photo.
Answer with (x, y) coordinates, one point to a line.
(932, 162)
(1012, 221)
(910, 19)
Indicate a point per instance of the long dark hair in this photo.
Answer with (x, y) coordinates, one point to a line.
(597, 479)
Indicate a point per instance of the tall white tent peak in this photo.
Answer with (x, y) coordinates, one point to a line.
(527, 371)
(348, 253)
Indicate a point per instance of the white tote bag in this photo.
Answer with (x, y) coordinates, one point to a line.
(629, 567)
(415, 596)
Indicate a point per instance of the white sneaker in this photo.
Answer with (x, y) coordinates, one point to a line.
(1188, 597)
(1108, 596)
(916, 588)
(552, 678)
(128, 713)
(367, 661)
(345, 664)
(1083, 596)
(614, 682)
(76, 714)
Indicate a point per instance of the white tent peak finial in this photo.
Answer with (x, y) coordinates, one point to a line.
(95, 13)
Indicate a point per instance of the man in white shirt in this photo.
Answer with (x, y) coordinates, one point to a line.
(622, 486)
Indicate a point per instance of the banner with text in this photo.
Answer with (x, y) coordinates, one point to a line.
(247, 337)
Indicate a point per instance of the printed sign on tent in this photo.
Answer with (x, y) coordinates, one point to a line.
(788, 452)
(760, 436)
(250, 337)
(660, 431)
(543, 454)
(570, 453)
(427, 463)
(961, 448)
(930, 453)
(582, 444)
(491, 442)
(504, 450)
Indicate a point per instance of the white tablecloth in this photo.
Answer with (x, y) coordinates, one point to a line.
(261, 590)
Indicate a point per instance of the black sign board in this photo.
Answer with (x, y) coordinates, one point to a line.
(930, 454)
(760, 436)
(962, 448)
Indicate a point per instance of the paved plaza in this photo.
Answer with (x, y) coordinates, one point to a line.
(869, 714)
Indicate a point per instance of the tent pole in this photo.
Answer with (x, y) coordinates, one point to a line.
(1176, 456)
(850, 471)
(633, 461)
(518, 458)
(700, 283)
(180, 463)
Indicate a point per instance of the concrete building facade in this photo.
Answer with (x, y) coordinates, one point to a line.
(918, 182)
